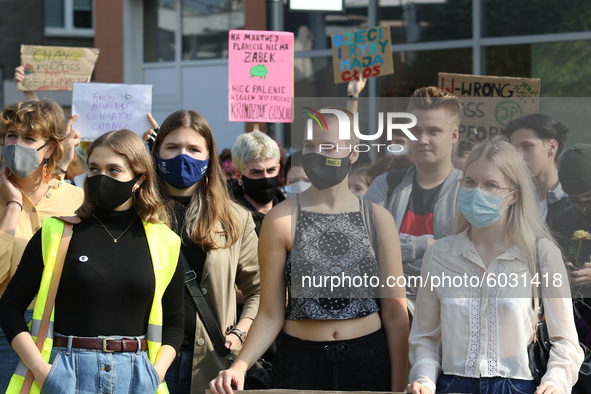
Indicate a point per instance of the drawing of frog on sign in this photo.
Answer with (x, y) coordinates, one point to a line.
(260, 70)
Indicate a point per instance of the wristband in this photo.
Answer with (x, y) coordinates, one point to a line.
(16, 202)
(240, 334)
(351, 97)
(64, 171)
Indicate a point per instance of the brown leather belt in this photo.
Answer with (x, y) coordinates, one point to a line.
(105, 344)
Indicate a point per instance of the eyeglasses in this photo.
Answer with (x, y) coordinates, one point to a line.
(490, 187)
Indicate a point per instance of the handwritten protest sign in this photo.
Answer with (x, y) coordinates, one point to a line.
(56, 68)
(260, 76)
(362, 53)
(103, 107)
(491, 102)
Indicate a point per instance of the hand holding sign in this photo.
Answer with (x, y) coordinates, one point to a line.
(104, 107)
(55, 68)
(362, 53)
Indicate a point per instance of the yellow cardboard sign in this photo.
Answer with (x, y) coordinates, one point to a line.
(56, 68)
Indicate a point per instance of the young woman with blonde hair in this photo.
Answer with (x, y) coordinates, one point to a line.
(118, 319)
(474, 338)
(219, 245)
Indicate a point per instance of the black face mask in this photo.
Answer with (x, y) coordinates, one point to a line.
(324, 171)
(261, 190)
(584, 206)
(107, 193)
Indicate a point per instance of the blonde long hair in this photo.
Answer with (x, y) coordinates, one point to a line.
(210, 215)
(524, 221)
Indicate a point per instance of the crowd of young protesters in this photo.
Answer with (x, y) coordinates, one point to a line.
(151, 224)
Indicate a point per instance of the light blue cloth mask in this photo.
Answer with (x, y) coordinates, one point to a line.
(480, 209)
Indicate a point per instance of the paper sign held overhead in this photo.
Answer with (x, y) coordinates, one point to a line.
(103, 107)
(260, 76)
(490, 101)
(364, 53)
(56, 68)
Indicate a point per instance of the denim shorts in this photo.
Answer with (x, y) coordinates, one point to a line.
(359, 364)
(94, 371)
(496, 385)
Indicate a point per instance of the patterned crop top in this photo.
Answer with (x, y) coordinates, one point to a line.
(330, 248)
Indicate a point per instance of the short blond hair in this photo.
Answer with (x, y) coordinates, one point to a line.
(432, 97)
(253, 146)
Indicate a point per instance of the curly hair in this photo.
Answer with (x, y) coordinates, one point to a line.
(44, 119)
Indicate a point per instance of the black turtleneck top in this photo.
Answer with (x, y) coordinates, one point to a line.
(106, 288)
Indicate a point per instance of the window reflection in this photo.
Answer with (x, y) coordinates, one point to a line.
(206, 24)
(159, 28)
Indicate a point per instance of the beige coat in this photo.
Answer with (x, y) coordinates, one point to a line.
(223, 267)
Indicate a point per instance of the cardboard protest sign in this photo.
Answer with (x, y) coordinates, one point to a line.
(56, 68)
(491, 102)
(103, 107)
(260, 76)
(365, 53)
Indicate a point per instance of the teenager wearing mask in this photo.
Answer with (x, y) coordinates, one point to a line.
(219, 245)
(422, 199)
(330, 341)
(256, 158)
(35, 139)
(540, 141)
(120, 280)
(474, 339)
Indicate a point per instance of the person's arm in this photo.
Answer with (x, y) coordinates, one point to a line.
(19, 76)
(414, 247)
(9, 214)
(566, 356)
(247, 279)
(274, 241)
(425, 336)
(149, 136)
(393, 302)
(72, 141)
(21, 290)
(354, 88)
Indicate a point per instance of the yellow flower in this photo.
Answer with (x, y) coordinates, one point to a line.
(581, 235)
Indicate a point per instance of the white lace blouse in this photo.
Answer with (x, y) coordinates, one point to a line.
(478, 322)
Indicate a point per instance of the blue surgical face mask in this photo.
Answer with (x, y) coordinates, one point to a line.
(480, 209)
(182, 171)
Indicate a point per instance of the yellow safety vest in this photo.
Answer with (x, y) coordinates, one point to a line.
(164, 247)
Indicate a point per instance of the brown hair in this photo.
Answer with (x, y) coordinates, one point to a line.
(146, 199)
(432, 97)
(210, 213)
(44, 119)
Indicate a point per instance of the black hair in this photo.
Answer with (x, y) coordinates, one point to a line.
(544, 127)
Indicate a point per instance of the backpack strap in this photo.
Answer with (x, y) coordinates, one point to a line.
(370, 223)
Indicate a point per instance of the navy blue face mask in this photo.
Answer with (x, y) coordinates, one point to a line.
(182, 171)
